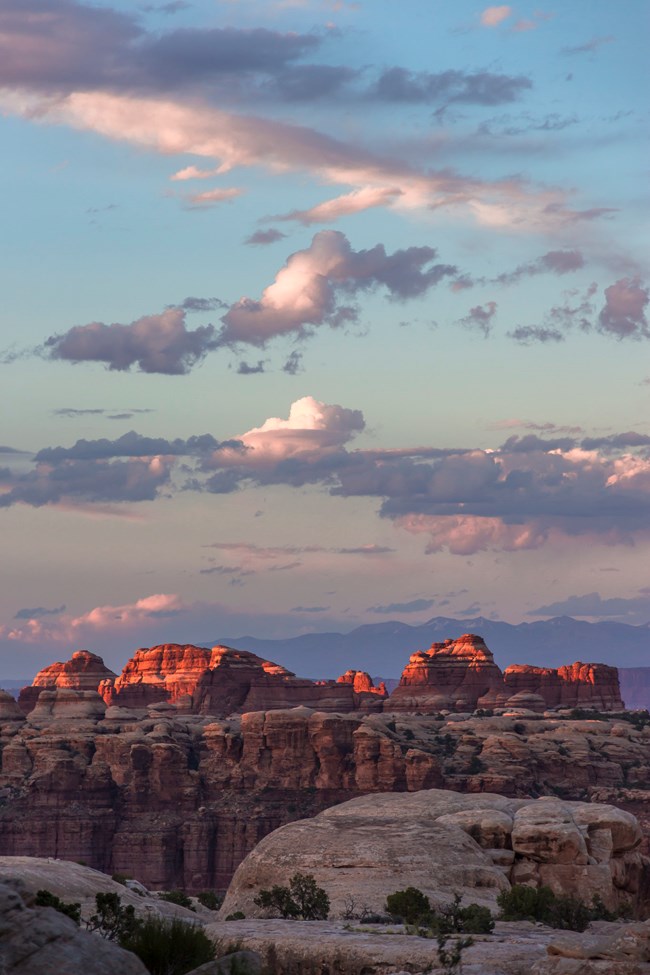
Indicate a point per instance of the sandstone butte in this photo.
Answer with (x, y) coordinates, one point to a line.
(457, 675)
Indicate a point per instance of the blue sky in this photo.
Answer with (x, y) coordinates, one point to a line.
(311, 310)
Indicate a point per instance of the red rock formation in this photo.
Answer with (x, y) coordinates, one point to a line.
(223, 681)
(460, 675)
(366, 695)
(83, 672)
(574, 686)
(457, 675)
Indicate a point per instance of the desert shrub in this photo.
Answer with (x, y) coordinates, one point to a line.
(409, 734)
(522, 903)
(519, 728)
(236, 916)
(169, 947)
(120, 878)
(451, 958)
(177, 897)
(45, 898)
(409, 905)
(210, 899)
(476, 765)
(301, 899)
(599, 912)
(111, 920)
(475, 919)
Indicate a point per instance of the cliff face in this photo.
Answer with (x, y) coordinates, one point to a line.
(222, 680)
(461, 675)
(83, 672)
(575, 686)
(178, 799)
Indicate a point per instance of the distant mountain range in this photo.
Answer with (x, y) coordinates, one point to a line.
(384, 648)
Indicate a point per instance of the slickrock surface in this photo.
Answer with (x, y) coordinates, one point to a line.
(83, 672)
(461, 675)
(442, 843)
(177, 799)
(334, 948)
(79, 884)
(42, 941)
(222, 680)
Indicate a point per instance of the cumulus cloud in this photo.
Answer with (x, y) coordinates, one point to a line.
(312, 288)
(67, 628)
(155, 343)
(624, 312)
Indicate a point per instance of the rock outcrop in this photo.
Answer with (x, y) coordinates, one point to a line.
(445, 843)
(576, 686)
(83, 672)
(38, 940)
(461, 675)
(222, 680)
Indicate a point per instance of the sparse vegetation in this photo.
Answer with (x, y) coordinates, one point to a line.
(451, 958)
(523, 903)
(169, 947)
(236, 916)
(302, 899)
(111, 920)
(414, 908)
(210, 899)
(45, 898)
(177, 897)
(410, 905)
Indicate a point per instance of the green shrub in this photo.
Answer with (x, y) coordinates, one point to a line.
(451, 958)
(111, 920)
(210, 899)
(410, 905)
(236, 916)
(45, 898)
(169, 947)
(476, 765)
(120, 878)
(475, 919)
(177, 897)
(301, 899)
(522, 903)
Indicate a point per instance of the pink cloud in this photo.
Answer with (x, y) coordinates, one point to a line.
(493, 16)
(345, 205)
(212, 197)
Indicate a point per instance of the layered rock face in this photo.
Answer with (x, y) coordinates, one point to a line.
(444, 843)
(461, 675)
(178, 799)
(222, 680)
(83, 672)
(575, 686)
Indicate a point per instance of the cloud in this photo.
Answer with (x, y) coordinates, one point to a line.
(244, 369)
(261, 238)
(293, 364)
(342, 206)
(594, 606)
(414, 606)
(493, 16)
(556, 262)
(71, 413)
(38, 612)
(308, 289)
(133, 444)
(309, 609)
(589, 46)
(526, 334)
(209, 198)
(155, 343)
(69, 628)
(201, 304)
(450, 87)
(623, 314)
(480, 317)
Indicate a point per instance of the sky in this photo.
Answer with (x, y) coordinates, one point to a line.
(319, 313)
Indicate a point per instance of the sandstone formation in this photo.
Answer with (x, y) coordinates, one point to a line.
(444, 843)
(576, 686)
(83, 672)
(221, 681)
(36, 941)
(461, 675)
(178, 799)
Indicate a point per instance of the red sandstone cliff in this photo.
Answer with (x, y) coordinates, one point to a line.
(83, 672)
(223, 681)
(575, 686)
